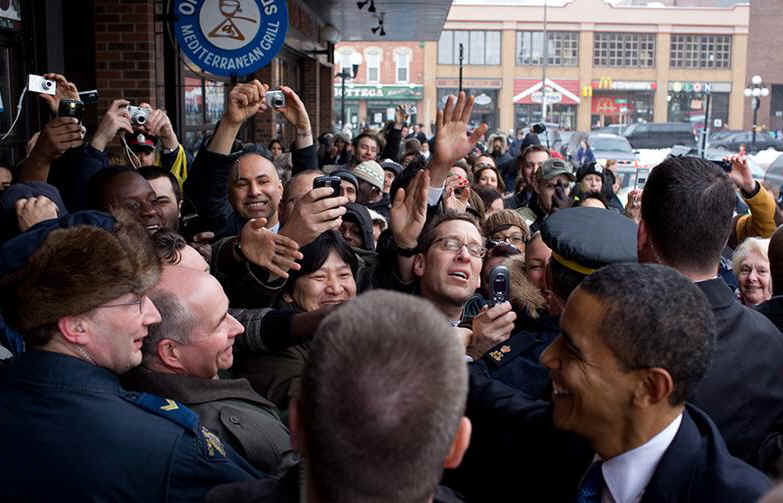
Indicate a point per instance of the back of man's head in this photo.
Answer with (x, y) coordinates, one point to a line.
(687, 208)
(775, 254)
(654, 317)
(382, 399)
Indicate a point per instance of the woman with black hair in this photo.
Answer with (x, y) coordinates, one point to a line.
(326, 279)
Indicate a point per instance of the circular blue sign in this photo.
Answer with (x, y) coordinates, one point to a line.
(230, 37)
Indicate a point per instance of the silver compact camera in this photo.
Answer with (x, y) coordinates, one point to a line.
(38, 84)
(138, 115)
(275, 99)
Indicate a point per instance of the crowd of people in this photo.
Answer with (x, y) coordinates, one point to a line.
(233, 327)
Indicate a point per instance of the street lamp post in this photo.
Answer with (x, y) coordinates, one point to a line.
(755, 91)
(356, 60)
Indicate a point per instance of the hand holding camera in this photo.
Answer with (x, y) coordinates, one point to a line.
(116, 118)
(53, 88)
(57, 136)
(244, 101)
(158, 124)
(288, 103)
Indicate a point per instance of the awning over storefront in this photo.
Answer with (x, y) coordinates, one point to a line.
(406, 92)
(561, 92)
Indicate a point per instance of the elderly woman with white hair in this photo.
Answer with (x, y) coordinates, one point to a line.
(751, 265)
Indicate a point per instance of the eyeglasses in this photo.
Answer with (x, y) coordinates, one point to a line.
(514, 239)
(139, 302)
(455, 245)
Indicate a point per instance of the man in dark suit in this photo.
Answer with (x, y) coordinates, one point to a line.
(687, 208)
(635, 341)
(773, 308)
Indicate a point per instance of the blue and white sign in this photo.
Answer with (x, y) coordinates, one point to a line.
(230, 37)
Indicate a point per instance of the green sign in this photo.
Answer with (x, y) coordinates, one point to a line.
(373, 92)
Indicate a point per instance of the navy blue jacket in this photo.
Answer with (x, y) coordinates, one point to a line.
(76, 435)
(528, 452)
(743, 388)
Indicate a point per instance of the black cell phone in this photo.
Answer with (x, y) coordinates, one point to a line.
(71, 108)
(328, 181)
(724, 165)
(499, 282)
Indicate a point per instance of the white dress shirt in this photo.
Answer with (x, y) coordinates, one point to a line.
(628, 474)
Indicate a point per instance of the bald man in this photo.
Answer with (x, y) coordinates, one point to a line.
(181, 360)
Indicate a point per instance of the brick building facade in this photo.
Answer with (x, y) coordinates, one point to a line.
(390, 73)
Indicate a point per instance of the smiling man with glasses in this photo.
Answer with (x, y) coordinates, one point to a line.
(448, 267)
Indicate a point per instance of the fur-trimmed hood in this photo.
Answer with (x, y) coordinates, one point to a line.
(524, 296)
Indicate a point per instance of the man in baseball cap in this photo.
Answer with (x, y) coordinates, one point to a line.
(143, 145)
(371, 180)
(551, 192)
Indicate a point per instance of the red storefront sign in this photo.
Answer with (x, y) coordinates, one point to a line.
(529, 92)
(610, 105)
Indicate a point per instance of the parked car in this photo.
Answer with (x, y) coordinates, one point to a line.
(611, 129)
(732, 140)
(659, 134)
(604, 147)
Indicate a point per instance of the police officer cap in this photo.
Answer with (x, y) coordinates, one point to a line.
(586, 239)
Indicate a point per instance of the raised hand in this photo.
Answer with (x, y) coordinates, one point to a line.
(313, 214)
(65, 90)
(633, 208)
(244, 101)
(57, 136)
(158, 124)
(295, 113)
(452, 142)
(275, 253)
(400, 116)
(409, 211)
(491, 327)
(116, 118)
(740, 173)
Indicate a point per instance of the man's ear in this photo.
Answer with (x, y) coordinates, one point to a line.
(287, 298)
(169, 354)
(645, 251)
(75, 329)
(418, 265)
(655, 385)
(179, 209)
(460, 444)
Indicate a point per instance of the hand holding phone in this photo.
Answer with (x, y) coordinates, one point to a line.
(499, 283)
(328, 181)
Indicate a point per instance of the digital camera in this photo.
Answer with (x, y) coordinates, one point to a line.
(71, 108)
(38, 84)
(275, 99)
(138, 115)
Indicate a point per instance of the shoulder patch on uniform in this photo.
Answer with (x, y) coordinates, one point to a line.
(214, 444)
(165, 407)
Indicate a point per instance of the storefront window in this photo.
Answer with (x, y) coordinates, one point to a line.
(621, 107)
(485, 108)
(691, 107)
(562, 115)
(204, 105)
(624, 49)
(700, 51)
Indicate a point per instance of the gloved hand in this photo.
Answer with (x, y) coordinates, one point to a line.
(560, 199)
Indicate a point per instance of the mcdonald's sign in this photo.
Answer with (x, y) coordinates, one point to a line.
(587, 91)
(605, 83)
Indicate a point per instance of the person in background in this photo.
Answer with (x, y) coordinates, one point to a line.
(584, 154)
(488, 176)
(492, 199)
(6, 177)
(751, 265)
(275, 148)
